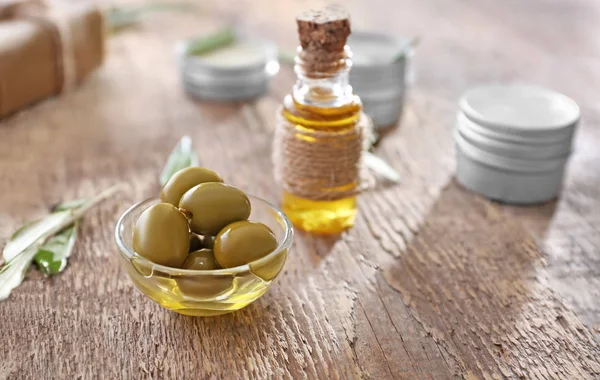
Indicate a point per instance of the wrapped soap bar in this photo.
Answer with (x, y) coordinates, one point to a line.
(43, 52)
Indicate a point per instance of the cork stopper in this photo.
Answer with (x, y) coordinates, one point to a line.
(324, 30)
(323, 35)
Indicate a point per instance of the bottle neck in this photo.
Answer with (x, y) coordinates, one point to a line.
(323, 78)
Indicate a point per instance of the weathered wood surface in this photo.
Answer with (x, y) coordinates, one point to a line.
(433, 282)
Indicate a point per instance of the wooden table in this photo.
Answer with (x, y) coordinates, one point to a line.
(433, 282)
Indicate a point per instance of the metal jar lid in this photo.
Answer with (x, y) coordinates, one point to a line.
(504, 162)
(520, 148)
(241, 70)
(512, 142)
(522, 111)
(379, 74)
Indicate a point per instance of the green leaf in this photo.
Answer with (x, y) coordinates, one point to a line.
(32, 232)
(287, 57)
(118, 18)
(13, 272)
(52, 256)
(49, 225)
(211, 42)
(69, 205)
(406, 49)
(372, 139)
(379, 166)
(28, 242)
(181, 157)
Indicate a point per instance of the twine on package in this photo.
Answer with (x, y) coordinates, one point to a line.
(52, 17)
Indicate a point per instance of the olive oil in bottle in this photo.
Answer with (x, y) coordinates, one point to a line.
(320, 132)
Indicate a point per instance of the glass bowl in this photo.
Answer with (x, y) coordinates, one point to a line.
(205, 292)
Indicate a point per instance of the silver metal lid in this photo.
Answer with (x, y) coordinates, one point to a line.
(379, 74)
(241, 70)
(523, 111)
(518, 147)
(512, 142)
(504, 162)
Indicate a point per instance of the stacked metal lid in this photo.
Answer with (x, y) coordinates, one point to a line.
(513, 141)
(378, 74)
(239, 70)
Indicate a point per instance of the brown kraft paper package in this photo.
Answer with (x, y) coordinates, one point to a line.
(33, 51)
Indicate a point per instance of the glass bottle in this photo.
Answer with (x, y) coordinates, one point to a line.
(322, 104)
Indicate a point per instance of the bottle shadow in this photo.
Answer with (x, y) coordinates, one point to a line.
(473, 277)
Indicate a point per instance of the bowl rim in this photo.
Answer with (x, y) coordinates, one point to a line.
(129, 254)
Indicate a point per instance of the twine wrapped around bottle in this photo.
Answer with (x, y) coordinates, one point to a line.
(321, 165)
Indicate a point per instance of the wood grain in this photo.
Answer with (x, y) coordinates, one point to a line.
(432, 283)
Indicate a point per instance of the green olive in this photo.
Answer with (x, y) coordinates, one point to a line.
(205, 287)
(202, 259)
(161, 235)
(184, 180)
(211, 206)
(243, 242)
